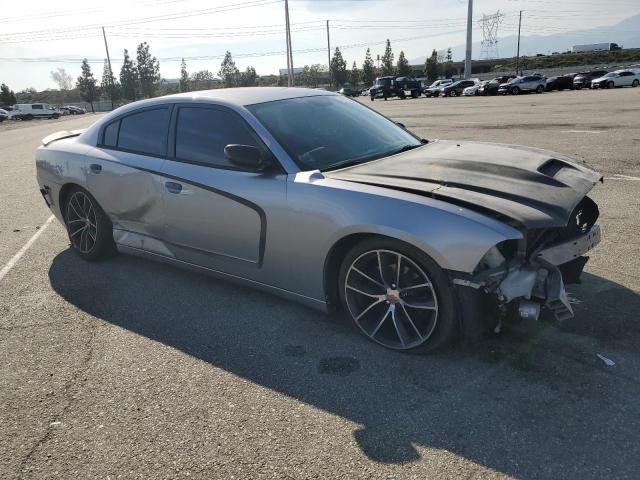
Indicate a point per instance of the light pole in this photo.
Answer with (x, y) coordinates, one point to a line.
(467, 57)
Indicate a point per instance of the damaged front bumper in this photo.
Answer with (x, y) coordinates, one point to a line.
(537, 281)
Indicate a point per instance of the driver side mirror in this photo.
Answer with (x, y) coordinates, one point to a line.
(244, 156)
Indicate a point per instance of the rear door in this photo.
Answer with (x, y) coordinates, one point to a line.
(218, 214)
(123, 174)
(625, 79)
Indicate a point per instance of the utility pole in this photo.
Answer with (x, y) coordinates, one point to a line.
(467, 57)
(328, 52)
(289, 53)
(518, 53)
(106, 47)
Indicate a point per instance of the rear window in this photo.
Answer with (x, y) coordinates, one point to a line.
(110, 138)
(144, 132)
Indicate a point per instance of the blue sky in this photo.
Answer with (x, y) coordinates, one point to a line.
(39, 36)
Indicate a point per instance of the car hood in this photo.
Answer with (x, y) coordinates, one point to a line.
(534, 187)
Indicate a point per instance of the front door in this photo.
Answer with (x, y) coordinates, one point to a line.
(218, 214)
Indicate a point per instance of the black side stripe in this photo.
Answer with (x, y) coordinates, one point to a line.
(231, 196)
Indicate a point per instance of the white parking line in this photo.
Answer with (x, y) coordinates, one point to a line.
(23, 250)
(582, 131)
(623, 177)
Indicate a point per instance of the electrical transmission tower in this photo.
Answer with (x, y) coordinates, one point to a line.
(490, 24)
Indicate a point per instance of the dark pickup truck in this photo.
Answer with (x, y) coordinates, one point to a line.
(387, 87)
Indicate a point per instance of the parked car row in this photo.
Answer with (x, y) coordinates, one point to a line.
(512, 85)
(29, 111)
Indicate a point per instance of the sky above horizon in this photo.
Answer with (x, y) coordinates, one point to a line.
(36, 37)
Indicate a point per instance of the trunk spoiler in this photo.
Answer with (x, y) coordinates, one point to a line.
(54, 137)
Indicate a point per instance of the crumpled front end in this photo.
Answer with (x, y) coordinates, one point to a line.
(530, 275)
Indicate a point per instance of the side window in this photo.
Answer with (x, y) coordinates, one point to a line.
(36, 107)
(145, 132)
(202, 134)
(110, 138)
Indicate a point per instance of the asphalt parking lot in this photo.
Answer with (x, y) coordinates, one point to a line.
(133, 369)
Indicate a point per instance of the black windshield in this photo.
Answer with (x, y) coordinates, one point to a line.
(327, 132)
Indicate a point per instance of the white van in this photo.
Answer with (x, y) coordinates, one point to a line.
(29, 111)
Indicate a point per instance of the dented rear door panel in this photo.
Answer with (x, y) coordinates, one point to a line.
(127, 188)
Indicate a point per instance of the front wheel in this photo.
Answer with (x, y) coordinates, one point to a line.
(397, 295)
(610, 84)
(515, 91)
(635, 83)
(540, 89)
(89, 228)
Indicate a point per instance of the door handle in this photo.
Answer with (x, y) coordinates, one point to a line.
(95, 168)
(173, 187)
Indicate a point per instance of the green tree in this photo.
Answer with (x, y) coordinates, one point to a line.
(148, 70)
(431, 67)
(387, 60)
(338, 69)
(202, 80)
(368, 69)
(87, 85)
(403, 68)
(109, 86)
(129, 78)
(228, 72)
(355, 75)
(248, 77)
(184, 77)
(7, 97)
(448, 64)
(311, 75)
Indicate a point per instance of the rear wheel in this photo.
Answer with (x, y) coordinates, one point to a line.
(397, 296)
(90, 230)
(415, 93)
(539, 89)
(635, 83)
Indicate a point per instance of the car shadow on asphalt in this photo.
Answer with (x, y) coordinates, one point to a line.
(538, 404)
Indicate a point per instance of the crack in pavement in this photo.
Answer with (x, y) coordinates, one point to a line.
(83, 367)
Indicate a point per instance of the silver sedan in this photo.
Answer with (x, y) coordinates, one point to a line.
(317, 198)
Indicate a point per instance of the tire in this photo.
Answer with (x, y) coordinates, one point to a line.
(515, 91)
(415, 94)
(421, 316)
(82, 216)
(55, 116)
(635, 83)
(539, 89)
(610, 84)
(28, 117)
(372, 98)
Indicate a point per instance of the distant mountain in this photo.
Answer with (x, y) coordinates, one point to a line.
(625, 33)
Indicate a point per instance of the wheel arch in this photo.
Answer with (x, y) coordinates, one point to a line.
(336, 255)
(65, 190)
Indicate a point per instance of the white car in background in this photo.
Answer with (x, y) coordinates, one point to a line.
(3, 115)
(619, 78)
(473, 90)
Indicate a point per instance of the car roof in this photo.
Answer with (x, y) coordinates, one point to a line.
(245, 95)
